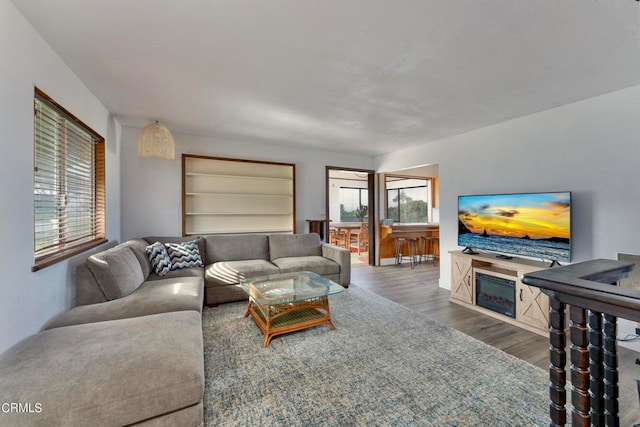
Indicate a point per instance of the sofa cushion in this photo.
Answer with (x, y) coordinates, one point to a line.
(185, 272)
(152, 297)
(293, 245)
(315, 264)
(236, 247)
(106, 373)
(184, 255)
(88, 290)
(231, 272)
(139, 249)
(117, 271)
(215, 295)
(159, 257)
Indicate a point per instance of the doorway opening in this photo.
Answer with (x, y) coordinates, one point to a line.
(350, 209)
(408, 206)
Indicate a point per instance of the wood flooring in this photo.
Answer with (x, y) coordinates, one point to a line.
(419, 290)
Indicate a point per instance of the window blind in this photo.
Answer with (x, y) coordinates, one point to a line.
(68, 181)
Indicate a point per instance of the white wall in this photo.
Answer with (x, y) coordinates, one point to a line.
(151, 188)
(28, 300)
(591, 148)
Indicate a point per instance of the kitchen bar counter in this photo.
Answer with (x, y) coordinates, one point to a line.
(388, 234)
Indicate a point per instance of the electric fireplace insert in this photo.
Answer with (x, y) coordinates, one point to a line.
(496, 293)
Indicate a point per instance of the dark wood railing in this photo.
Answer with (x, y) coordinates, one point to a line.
(594, 306)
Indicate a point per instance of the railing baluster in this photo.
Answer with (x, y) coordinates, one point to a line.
(596, 369)
(558, 358)
(611, 371)
(586, 287)
(579, 367)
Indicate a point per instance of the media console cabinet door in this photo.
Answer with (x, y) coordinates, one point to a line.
(532, 306)
(462, 282)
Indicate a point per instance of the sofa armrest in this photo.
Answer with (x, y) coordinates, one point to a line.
(343, 257)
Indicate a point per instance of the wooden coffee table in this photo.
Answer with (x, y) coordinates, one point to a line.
(288, 302)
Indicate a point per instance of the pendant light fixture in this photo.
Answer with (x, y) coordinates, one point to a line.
(156, 141)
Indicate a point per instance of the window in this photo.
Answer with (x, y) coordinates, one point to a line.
(408, 201)
(69, 190)
(352, 201)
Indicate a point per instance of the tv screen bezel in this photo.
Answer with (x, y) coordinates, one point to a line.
(554, 261)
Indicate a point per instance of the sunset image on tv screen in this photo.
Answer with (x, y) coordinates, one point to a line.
(533, 224)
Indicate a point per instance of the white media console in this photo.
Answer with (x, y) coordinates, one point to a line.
(492, 286)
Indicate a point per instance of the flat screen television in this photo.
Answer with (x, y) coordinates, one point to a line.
(536, 225)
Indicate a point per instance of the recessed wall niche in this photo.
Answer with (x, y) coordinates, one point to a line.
(236, 196)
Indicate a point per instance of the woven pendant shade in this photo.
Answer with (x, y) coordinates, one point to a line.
(156, 141)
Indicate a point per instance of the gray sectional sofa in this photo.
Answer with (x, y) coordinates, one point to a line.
(131, 352)
(229, 258)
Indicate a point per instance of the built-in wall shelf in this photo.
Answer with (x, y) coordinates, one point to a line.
(239, 231)
(238, 213)
(236, 196)
(215, 175)
(239, 195)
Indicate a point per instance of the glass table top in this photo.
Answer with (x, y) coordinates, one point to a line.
(287, 288)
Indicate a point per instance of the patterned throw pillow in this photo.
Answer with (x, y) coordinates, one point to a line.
(184, 255)
(160, 261)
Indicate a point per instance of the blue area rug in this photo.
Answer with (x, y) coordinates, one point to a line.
(383, 365)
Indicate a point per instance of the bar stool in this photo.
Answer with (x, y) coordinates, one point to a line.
(426, 249)
(399, 244)
(412, 243)
(430, 249)
(435, 247)
(412, 248)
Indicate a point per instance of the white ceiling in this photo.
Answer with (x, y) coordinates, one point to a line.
(364, 76)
